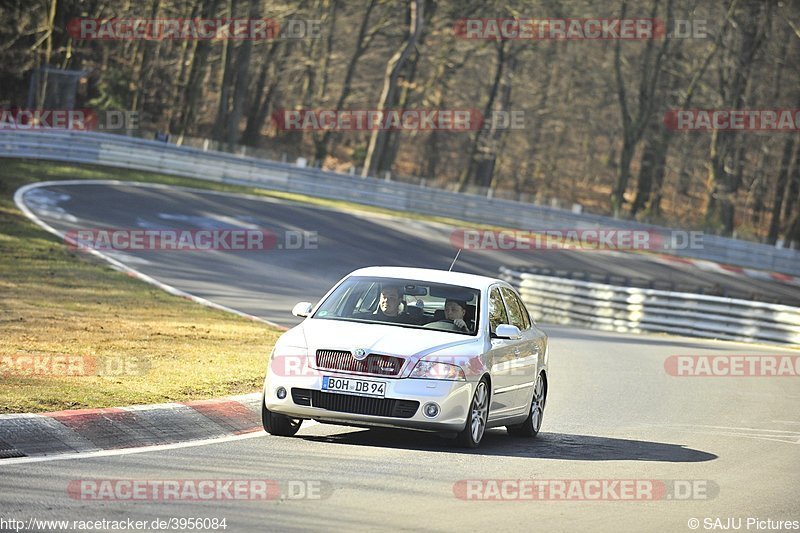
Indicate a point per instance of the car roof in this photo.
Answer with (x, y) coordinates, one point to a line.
(472, 281)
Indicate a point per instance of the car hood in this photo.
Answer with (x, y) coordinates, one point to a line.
(379, 338)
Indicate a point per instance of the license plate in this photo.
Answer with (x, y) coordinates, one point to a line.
(362, 387)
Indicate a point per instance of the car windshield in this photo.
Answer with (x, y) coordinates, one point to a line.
(404, 303)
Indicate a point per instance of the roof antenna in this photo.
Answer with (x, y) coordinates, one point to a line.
(454, 260)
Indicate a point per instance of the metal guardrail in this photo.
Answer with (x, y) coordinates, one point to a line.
(631, 309)
(740, 291)
(140, 154)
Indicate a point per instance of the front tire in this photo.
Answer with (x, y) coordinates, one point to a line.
(478, 414)
(532, 424)
(277, 424)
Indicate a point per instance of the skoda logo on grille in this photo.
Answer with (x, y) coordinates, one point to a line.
(359, 354)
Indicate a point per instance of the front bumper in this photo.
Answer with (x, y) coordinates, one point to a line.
(452, 397)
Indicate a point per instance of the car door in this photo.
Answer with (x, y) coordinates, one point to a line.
(502, 358)
(526, 349)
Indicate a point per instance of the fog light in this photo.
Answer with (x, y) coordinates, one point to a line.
(431, 410)
(280, 393)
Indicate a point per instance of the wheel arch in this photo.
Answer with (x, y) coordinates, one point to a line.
(543, 373)
(488, 377)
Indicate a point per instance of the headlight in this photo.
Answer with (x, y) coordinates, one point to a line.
(435, 370)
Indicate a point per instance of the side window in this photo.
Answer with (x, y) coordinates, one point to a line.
(516, 309)
(525, 315)
(497, 311)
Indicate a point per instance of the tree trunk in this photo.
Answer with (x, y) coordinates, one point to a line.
(143, 72)
(48, 52)
(262, 99)
(435, 89)
(527, 179)
(647, 168)
(656, 147)
(322, 143)
(780, 190)
(319, 66)
(377, 141)
(633, 126)
(326, 60)
(660, 146)
(176, 95)
(218, 132)
(726, 152)
(404, 98)
(242, 82)
(195, 85)
(393, 137)
(792, 236)
(478, 140)
(791, 202)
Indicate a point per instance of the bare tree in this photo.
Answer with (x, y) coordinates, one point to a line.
(242, 82)
(633, 124)
(363, 41)
(483, 153)
(377, 141)
(725, 157)
(194, 86)
(226, 80)
(780, 189)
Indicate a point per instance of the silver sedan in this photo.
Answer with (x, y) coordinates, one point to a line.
(412, 348)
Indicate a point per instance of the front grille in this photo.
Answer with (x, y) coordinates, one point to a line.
(375, 364)
(360, 405)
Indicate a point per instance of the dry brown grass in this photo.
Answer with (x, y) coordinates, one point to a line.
(55, 301)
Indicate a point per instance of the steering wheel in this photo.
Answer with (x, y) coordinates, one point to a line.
(446, 325)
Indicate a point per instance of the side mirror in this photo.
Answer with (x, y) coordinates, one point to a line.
(507, 331)
(303, 309)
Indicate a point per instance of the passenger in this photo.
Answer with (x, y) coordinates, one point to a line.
(455, 310)
(389, 306)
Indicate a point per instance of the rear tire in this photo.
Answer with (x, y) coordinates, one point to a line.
(277, 424)
(477, 415)
(532, 424)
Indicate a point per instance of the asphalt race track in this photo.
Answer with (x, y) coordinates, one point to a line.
(268, 283)
(613, 412)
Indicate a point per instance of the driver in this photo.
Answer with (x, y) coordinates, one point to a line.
(454, 310)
